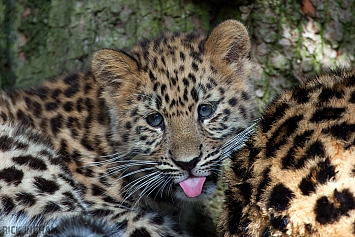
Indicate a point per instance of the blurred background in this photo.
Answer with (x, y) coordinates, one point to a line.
(291, 39)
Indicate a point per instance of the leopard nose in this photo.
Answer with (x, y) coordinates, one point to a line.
(187, 165)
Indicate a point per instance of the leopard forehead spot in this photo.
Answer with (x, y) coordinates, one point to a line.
(171, 66)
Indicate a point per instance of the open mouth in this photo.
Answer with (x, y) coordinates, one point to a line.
(193, 185)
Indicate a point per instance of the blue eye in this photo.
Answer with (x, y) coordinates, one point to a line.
(155, 120)
(205, 111)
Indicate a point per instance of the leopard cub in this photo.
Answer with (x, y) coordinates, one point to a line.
(133, 143)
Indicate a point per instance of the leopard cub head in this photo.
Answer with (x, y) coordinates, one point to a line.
(174, 101)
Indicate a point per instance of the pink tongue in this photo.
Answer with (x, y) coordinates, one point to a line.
(193, 186)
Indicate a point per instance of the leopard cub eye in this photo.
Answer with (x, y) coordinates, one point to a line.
(155, 120)
(205, 111)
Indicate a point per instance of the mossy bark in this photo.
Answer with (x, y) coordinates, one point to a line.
(44, 38)
(291, 40)
(294, 40)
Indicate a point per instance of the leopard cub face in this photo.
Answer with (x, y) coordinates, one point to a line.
(174, 101)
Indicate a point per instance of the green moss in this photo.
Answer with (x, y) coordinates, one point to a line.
(8, 43)
(2, 11)
(34, 26)
(2, 41)
(62, 35)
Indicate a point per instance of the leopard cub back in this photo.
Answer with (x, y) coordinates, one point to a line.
(295, 177)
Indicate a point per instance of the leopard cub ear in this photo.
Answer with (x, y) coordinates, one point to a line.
(114, 70)
(229, 41)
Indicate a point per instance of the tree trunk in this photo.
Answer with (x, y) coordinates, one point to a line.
(291, 39)
(46, 38)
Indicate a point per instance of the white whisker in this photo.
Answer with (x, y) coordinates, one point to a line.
(128, 165)
(112, 155)
(161, 190)
(128, 174)
(116, 160)
(149, 188)
(159, 179)
(132, 185)
(112, 158)
(238, 141)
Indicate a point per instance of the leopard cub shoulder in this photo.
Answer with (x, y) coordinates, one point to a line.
(295, 176)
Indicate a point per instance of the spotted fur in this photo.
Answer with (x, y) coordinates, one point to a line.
(127, 132)
(28, 160)
(295, 176)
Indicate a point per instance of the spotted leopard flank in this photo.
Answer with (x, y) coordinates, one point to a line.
(140, 133)
(295, 177)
